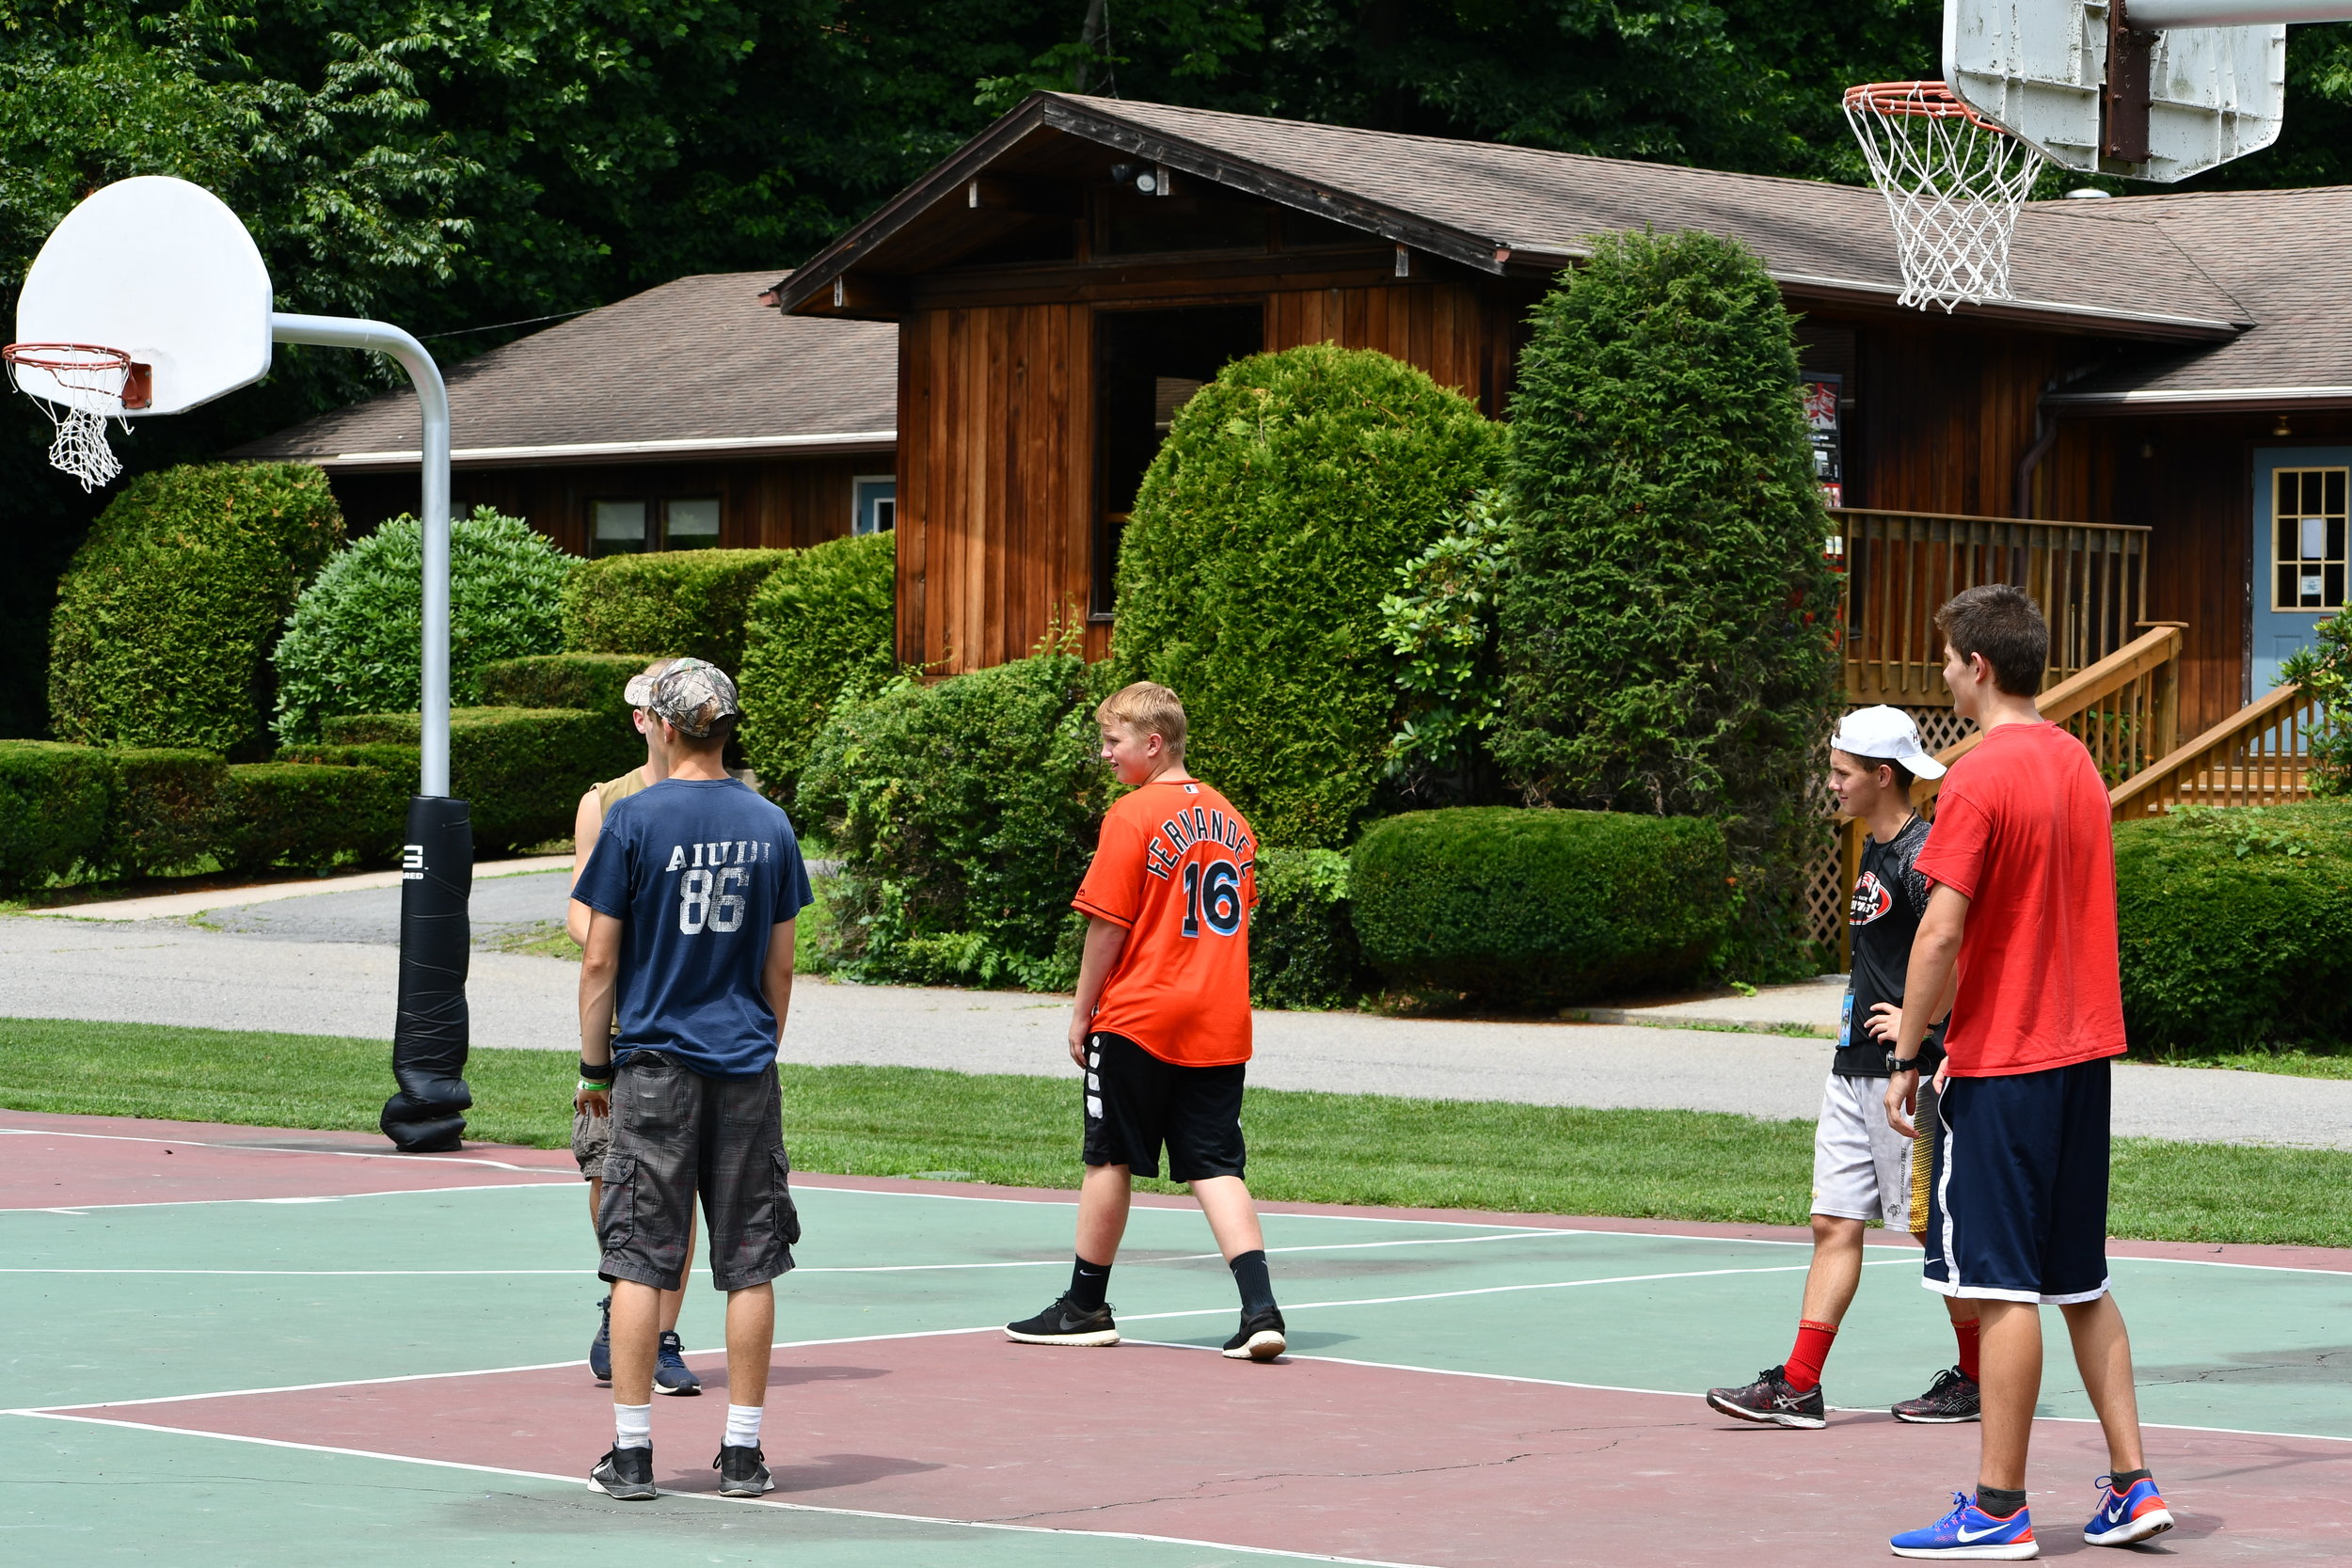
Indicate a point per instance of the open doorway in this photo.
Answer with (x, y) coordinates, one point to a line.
(1146, 364)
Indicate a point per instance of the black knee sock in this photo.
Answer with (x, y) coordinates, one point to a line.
(1257, 1291)
(1088, 1283)
(1998, 1502)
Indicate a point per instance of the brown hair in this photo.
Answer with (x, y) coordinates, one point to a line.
(1999, 622)
(1146, 707)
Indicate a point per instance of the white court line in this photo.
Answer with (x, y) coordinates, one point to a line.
(272, 1149)
(389, 1192)
(747, 1502)
(1504, 1289)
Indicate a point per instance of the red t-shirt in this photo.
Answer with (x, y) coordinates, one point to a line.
(1177, 866)
(2023, 829)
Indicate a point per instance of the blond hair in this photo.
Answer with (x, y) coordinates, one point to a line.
(1146, 707)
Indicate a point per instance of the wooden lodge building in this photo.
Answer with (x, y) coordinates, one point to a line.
(2158, 429)
(678, 419)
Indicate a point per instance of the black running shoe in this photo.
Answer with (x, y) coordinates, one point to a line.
(1065, 1324)
(1772, 1402)
(600, 1348)
(742, 1472)
(626, 1473)
(1951, 1397)
(1260, 1336)
(671, 1374)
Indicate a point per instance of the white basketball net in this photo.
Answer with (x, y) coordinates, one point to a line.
(1954, 183)
(80, 446)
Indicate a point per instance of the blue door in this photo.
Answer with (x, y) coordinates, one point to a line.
(2300, 550)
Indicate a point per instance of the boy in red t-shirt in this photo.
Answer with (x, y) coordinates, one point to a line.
(2020, 938)
(1161, 1025)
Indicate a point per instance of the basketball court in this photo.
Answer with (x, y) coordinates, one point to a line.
(265, 1347)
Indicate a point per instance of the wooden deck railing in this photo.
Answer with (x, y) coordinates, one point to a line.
(2090, 578)
(2258, 756)
(2125, 707)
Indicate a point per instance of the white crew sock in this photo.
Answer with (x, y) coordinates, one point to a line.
(632, 1426)
(744, 1425)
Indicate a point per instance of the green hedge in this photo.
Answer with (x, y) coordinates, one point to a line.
(822, 628)
(1539, 907)
(598, 682)
(966, 812)
(2235, 926)
(166, 617)
(308, 816)
(672, 602)
(168, 808)
(56, 800)
(523, 771)
(1303, 951)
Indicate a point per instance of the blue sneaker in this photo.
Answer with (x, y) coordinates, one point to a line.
(671, 1374)
(1968, 1532)
(2132, 1515)
(600, 1348)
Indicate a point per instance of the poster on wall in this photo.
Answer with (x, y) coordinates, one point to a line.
(1823, 393)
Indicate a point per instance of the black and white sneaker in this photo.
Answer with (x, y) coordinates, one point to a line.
(1063, 1323)
(1952, 1397)
(626, 1473)
(742, 1472)
(1770, 1401)
(1260, 1336)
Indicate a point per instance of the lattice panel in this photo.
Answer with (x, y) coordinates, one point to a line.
(1825, 900)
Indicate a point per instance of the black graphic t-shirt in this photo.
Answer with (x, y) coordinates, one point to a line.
(1889, 897)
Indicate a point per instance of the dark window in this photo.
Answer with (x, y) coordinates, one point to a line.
(1197, 217)
(1146, 364)
(633, 526)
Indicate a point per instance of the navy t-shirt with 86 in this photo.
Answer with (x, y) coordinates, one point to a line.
(701, 871)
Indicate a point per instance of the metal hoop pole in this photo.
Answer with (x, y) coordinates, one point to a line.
(433, 398)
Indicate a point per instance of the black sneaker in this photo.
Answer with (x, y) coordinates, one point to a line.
(1772, 1402)
(742, 1472)
(1952, 1397)
(1260, 1336)
(1065, 1324)
(671, 1374)
(626, 1473)
(600, 1348)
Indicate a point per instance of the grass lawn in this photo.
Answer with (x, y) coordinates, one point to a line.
(1024, 1131)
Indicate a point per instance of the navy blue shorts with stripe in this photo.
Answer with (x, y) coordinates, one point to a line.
(2019, 1209)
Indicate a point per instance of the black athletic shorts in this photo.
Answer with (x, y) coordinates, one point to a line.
(2019, 1210)
(1134, 1103)
(676, 1135)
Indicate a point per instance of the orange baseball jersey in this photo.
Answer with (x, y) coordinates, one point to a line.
(1178, 867)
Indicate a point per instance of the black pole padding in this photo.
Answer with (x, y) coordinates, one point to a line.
(430, 1035)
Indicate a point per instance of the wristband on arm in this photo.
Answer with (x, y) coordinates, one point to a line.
(597, 1073)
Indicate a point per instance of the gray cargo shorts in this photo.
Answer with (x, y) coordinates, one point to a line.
(676, 1135)
(590, 1138)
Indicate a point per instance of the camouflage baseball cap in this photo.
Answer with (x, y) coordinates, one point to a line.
(693, 695)
(639, 692)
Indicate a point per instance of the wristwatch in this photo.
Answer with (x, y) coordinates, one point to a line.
(1904, 1064)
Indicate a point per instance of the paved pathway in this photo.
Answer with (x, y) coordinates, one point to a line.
(324, 964)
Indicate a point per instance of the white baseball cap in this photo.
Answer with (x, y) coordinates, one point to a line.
(1885, 734)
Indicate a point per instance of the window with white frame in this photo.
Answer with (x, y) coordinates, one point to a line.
(873, 503)
(2307, 551)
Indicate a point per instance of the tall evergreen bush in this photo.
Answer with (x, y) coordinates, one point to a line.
(165, 620)
(822, 628)
(667, 603)
(1666, 633)
(1274, 521)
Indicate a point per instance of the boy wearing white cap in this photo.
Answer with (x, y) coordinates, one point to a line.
(1861, 1165)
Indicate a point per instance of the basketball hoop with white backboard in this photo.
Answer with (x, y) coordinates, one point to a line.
(151, 298)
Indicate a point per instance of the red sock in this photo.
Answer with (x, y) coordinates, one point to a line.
(1812, 1349)
(1966, 1334)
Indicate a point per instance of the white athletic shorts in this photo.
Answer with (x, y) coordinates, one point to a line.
(1861, 1166)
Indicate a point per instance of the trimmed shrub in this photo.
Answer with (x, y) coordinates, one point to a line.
(309, 815)
(823, 629)
(352, 644)
(672, 602)
(1303, 951)
(598, 682)
(166, 617)
(1276, 517)
(55, 802)
(2235, 926)
(2325, 670)
(966, 812)
(1539, 907)
(1667, 629)
(168, 808)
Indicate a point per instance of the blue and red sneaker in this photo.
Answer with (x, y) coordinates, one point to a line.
(1968, 1532)
(2132, 1515)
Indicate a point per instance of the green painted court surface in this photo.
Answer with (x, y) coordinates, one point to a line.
(190, 1298)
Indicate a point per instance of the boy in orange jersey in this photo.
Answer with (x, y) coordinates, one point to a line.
(1162, 1025)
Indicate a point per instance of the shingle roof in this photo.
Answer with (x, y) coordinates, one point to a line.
(696, 366)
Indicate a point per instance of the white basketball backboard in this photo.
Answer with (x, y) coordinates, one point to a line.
(163, 271)
(2041, 69)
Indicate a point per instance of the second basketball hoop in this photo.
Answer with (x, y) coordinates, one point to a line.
(1954, 183)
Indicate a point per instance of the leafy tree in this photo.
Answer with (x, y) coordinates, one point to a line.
(1667, 630)
(2326, 673)
(1440, 624)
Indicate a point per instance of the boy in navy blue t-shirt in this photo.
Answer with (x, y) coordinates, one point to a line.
(692, 891)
